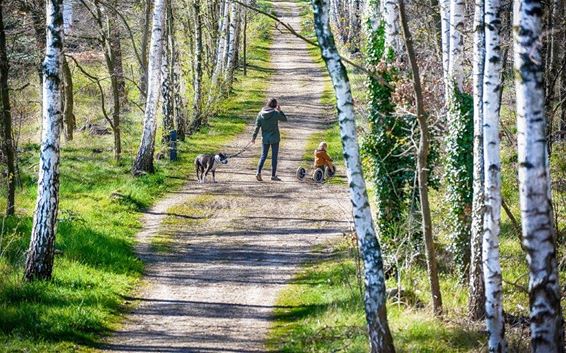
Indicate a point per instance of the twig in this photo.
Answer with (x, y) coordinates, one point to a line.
(101, 90)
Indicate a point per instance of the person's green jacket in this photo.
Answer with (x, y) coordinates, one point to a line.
(268, 121)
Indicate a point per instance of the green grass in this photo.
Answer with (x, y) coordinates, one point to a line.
(321, 310)
(100, 208)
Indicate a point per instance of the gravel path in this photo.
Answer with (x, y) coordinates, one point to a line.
(216, 290)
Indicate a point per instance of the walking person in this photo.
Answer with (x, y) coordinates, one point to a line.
(268, 121)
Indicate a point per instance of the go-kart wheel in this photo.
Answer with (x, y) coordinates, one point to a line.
(330, 172)
(318, 175)
(301, 173)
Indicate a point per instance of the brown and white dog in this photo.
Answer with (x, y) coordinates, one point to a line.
(206, 163)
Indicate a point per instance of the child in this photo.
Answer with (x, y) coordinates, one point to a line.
(322, 159)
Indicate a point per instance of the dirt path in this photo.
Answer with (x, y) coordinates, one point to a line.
(216, 290)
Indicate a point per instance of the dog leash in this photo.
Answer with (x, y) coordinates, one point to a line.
(241, 151)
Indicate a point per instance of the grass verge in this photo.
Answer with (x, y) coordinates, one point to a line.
(100, 208)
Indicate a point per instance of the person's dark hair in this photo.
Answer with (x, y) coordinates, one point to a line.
(271, 103)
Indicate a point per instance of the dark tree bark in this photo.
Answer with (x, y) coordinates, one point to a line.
(422, 163)
(115, 47)
(68, 101)
(8, 146)
(380, 337)
(40, 255)
(145, 48)
(197, 117)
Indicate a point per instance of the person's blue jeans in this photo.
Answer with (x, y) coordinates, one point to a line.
(274, 153)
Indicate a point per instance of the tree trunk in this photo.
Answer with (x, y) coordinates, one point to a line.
(476, 300)
(392, 30)
(539, 236)
(8, 146)
(245, 43)
(178, 94)
(105, 29)
(221, 48)
(375, 294)
(39, 261)
(114, 41)
(492, 83)
(232, 60)
(166, 79)
(197, 81)
(68, 101)
(355, 26)
(459, 145)
(144, 159)
(144, 49)
(445, 39)
(422, 163)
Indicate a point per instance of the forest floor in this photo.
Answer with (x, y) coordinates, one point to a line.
(219, 254)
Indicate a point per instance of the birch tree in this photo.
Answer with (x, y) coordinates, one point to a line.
(392, 27)
(459, 143)
(41, 252)
(492, 83)
(8, 146)
(539, 236)
(167, 77)
(375, 295)
(222, 40)
(445, 40)
(476, 301)
(144, 159)
(233, 44)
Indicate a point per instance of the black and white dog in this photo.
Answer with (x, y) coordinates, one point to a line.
(205, 163)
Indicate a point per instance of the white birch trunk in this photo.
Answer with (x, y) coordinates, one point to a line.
(232, 59)
(68, 16)
(539, 237)
(392, 30)
(379, 334)
(144, 160)
(221, 46)
(456, 58)
(492, 86)
(476, 302)
(41, 252)
(445, 36)
(167, 93)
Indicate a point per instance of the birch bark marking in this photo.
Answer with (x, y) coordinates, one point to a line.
(539, 236)
(375, 295)
(39, 260)
(476, 301)
(144, 158)
(492, 86)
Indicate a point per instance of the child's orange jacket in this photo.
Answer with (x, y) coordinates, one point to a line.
(321, 158)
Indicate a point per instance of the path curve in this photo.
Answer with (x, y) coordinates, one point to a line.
(216, 290)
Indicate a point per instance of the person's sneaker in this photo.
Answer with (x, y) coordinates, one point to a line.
(258, 177)
(275, 178)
